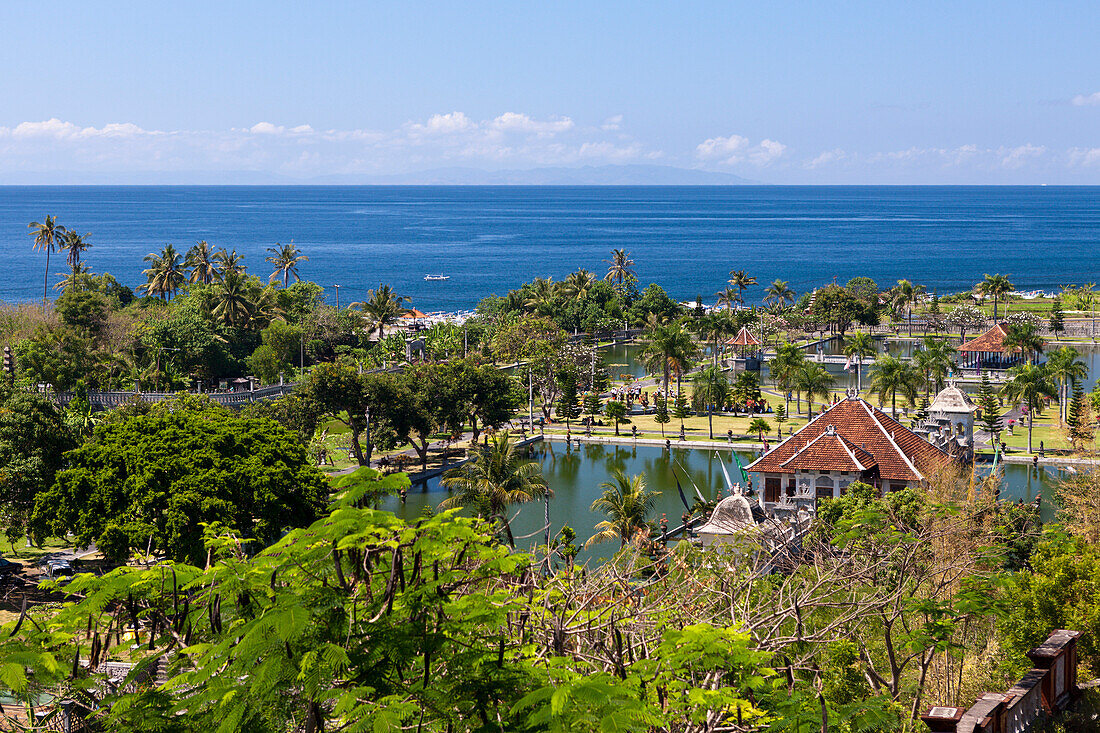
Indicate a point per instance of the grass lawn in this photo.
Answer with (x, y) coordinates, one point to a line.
(28, 554)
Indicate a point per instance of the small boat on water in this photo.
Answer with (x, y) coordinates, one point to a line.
(437, 277)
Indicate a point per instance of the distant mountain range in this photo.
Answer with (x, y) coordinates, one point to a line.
(601, 175)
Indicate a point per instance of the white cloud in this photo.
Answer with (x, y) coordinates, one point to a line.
(1019, 156)
(739, 149)
(829, 156)
(612, 123)
(55, 128)
(515, 122)
(1086, 100)
(512, 139)
(447, 124)
(1084, 157)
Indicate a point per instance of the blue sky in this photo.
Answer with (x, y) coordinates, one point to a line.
(784, 92)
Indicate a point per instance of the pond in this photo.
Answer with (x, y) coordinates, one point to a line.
(576, 474)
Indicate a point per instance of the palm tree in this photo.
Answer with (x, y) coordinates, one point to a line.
(628, 505)
(784, 367)
(497, 478)
(1029, 384)
(710, 387)
(779, 292)
(760, 426)
(711, 328)
(934, 361)
(996, 287)
(577, 284)
(1066, 368)
(382, 308)
(1025, 337)
(727, 296)
(75, 245)
(541, 299)
(890, 375)
(668, 349)
(815, 382)
(742, 281)
(74, 279)
(859, 346)
(201, 260)
(228, 262)
(47, 236)
(905, 295)
(233, 307)
(164, 274)
(620, 267)
(285, 258)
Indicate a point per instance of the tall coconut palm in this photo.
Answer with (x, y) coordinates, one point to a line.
(934, 361)
(496, 479)
(779, 293)
(890, 375)
(859, 346)
(784, 367)
(996, 287)
(164, 274)
(628, 505)
(233, 306)
(382, 308)
(1026, 338)
(47, 236)
(727, 297)
(75, 245)
(1066, 369)
(711, 328)
(742, 281)
(709, 388)
(228, 262)
(1029, 384)
(620, 267)
(577, 284)
(668, 349)
(202, 263)
(905, 295)
(285, 259)
(815, 381)
(74, 278)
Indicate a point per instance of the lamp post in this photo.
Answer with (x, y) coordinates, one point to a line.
(337, 296)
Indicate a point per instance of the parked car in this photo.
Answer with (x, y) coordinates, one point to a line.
(58, 568)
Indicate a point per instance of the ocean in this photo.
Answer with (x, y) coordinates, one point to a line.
(491, 239)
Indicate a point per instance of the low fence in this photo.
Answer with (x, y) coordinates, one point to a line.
(106, 400)
(1048, 688)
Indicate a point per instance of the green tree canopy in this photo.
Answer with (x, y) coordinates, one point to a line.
(153, 479)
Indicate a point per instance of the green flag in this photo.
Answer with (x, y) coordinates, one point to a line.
(744, 473)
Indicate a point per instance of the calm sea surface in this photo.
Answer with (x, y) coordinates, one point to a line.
(490, 239)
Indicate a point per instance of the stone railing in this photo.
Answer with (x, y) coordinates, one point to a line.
(1048, 688)
(116, 398)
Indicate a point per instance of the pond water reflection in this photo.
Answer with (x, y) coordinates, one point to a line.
(575, 476)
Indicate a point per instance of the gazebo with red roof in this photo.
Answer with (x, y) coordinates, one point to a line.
(851, 441)
(743, 340)
(988, 351)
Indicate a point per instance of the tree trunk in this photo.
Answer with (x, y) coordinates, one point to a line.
(356, 448)
(710, 420)
(46, 278)
(1030, 420)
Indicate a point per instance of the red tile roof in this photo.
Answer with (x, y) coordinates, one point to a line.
(743, 338)
(992, 341)
(899, 453)
(829, 451)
